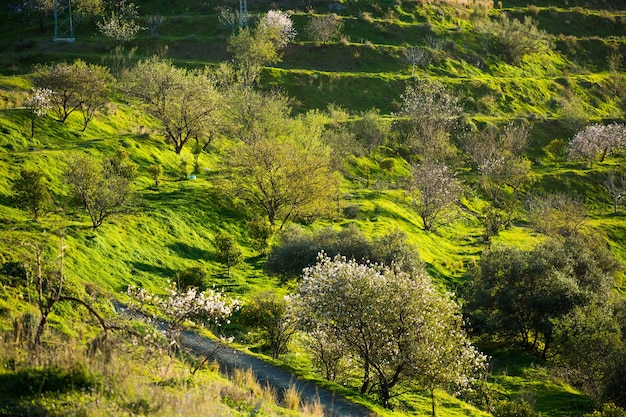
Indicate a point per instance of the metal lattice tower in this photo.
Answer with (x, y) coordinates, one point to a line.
(63, 26)
(243, 14)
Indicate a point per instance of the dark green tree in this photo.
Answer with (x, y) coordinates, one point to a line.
(227, 250)
(521, 295)
(30, 192)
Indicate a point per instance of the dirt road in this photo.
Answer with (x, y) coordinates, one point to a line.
(229, 359)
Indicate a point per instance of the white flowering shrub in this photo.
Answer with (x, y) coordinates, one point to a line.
(178, 307)
(395, 326)
(597, 140)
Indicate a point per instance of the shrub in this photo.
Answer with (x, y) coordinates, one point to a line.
(508, 408)
(351, 211)
(192, 277)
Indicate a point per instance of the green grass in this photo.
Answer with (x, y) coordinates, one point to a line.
(170, 229)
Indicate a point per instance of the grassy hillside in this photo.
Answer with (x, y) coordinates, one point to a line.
(170, 228)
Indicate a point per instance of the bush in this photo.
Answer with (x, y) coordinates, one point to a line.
(508, 408)
(297, 250)
(192, 277)
(351, 211)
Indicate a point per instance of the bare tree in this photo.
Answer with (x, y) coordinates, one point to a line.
(557, 214)
(324, 28)
(615, 186)
(433, 188)
(415, 57)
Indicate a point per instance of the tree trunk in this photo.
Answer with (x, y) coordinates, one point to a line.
(432, 401)
(366, 378)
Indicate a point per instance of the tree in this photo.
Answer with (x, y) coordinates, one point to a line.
(497, 156)
(285, 177)
(395, 325)
(78, 86)
(595, 140)
(324, 28)
(252, 116)
(185, 102)
(431, 112)
(433, 189)
(615, 186)
(178, 306)
(515, 39)
(415, 57)
(38, 104)
(30, 192)
(557, 214)
(521, 295)
(101, 189)
(227, 250)
(272, 315)
(591, 345)
(119, 23)
(252, 48)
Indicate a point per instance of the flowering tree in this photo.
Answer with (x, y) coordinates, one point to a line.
(430, 110)
(396, 326)
(597, 140)
(280, 27)
(38, 104)
(178, 307)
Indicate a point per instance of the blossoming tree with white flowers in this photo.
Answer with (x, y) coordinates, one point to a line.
(396, 326)
(178, 307)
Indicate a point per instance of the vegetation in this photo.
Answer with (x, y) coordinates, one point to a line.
(454, 154)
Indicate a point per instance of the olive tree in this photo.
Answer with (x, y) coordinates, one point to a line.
(186, 102)
(522, 295)
(396, 326)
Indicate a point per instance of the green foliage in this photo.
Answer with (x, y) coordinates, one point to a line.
(608, 410)
(297, 249)
(78, 86)
(270, 314)
(195, 276)
(227, 250)
(521, 295)
(30, 192)
(185, 102)
(515, 39)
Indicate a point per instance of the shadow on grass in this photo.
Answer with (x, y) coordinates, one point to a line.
(190, 252)
(154, 269)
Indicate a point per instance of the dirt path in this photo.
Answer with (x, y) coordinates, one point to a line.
(229, 359)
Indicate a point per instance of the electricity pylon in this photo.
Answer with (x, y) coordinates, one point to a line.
(63, 26)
